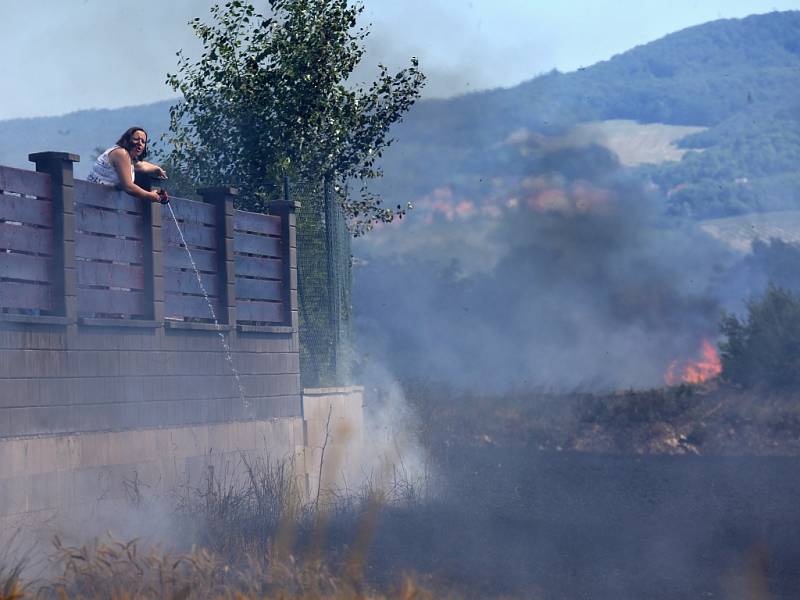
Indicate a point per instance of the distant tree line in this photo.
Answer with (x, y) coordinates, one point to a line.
(761, 348)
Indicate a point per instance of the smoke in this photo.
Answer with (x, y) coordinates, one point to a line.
(393, 454)
(593, 288)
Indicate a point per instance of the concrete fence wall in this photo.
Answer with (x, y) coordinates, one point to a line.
(76, 475)
(105, 326)
(112, 369)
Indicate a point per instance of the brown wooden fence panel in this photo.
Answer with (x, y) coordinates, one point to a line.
(25, 267)
(30, 296)
(111, 302)
(95, 274)
(258, 262)
(259, 289)
(26, 210)
(109, 252)
(195, 307)
(261, 312)
(189, 211)
(185, 282)
(108, 249)
(90, 219)
(196, 235)
(259, 245)
(26, 242)
(106, 196)
(175, 257)
(25, 239)
(183, 297)
(29, 183)
(253, 266)
(257, 223)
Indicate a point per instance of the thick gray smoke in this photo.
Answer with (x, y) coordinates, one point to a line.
(593, 289)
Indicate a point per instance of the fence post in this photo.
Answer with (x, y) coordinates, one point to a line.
(285, 209)
(153, 250)
(222, 199)
(65, 284)
(334, 300)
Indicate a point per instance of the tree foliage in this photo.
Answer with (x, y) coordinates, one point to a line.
(764, 348)
(271, 96)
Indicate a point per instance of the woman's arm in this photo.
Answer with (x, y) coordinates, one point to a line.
(122, 165)
(142, 166)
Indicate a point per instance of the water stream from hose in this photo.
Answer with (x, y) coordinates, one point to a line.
(220, 332)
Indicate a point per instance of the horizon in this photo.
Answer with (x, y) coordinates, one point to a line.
(528, 41)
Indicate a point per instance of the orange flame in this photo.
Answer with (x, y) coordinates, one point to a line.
(699, 371)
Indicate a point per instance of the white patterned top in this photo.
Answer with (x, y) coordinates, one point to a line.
(104, 172)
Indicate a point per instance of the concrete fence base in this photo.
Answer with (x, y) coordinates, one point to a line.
(49, 475)
(334, 432)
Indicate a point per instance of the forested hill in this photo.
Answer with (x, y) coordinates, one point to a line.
(81, 132)
(697, 76)
(737, 77)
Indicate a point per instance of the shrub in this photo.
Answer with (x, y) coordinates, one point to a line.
(764, 349)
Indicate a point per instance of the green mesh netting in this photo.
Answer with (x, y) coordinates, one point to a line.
(324, 272)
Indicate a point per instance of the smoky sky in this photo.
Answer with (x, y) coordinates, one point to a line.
(67, 56)
(594, 289)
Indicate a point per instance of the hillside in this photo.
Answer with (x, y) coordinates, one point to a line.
(735, 78)
(738, 78)
(81, 132)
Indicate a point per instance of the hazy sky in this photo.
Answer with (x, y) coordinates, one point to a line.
(65, 55)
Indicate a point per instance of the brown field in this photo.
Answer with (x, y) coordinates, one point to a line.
(740, 232)
(633, 143)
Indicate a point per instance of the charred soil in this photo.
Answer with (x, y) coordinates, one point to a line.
(679, 492)
(709, 419)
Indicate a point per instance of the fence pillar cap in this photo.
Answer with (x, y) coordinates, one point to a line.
(283, 205)
(52, 155)
(221, 190)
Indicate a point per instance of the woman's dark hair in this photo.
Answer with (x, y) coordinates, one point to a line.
(125, 140)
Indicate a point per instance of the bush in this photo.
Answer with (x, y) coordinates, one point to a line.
(764, 349)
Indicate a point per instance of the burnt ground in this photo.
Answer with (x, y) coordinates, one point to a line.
(712, 419)
(617, 512)
(577, 525)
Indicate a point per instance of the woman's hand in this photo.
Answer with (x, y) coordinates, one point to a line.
(159, 172)
(122, 164)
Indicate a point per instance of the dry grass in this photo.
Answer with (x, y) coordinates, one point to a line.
(11, 587)
(13, 562)
(123, 571)
(259, 506)
(259, 536)
(246, 506)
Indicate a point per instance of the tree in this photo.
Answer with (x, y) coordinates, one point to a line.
(271, 96)
(764, 349)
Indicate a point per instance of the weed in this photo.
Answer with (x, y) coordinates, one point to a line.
(117, 570)
(10, 582)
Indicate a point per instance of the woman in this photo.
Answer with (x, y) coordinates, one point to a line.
(118, 165)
